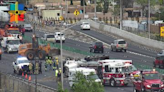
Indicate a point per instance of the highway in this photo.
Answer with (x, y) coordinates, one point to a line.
(7, 59)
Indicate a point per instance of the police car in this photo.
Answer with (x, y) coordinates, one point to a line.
(21, 65)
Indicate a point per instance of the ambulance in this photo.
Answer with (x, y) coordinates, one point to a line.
(87, 72)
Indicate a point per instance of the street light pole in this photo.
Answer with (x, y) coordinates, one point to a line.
(149, 17)
(61, 56)
(66, 10)
(84, 7)
(121, 14)
(95, 8)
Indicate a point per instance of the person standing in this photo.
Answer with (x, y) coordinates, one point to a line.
(30, 67)
(40, 67)
(59, 76)
(54, 65)
(56, 75)
(57, 62)
(33, 68)
(36, 67)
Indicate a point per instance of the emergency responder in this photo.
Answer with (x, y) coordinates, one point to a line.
(56, 74)
(54, 65)
(40, 67)
(33, 68)
(50, 62)
(47, 63)
(36, 67)
(30, 67)
(59, 76)
(57, 62)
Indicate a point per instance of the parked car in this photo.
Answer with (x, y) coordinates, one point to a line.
(59, 36)
(119, 44)
(85, 25)
(97, 47)
(28, 27)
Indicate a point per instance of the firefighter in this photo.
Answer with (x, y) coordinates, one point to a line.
(36, 67)
(50, 62)
(46, 63)
(57, 62)
(54, 65)
(59, 76)
(56, 74)
(40, 67)
(33, 68)
(30, 67)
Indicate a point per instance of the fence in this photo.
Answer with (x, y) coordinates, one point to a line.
(9, 83)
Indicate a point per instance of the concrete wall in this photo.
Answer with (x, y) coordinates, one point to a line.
(128, 35)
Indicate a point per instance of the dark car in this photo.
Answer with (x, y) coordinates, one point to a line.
(97, 47)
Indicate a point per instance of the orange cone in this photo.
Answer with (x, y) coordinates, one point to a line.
(22, 74)
(26, 76)
(29, 78)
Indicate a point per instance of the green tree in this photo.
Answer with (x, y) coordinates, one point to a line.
(60, 88)
(86, 85)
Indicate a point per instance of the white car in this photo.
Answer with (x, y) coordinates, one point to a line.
(85, 25)
(10, 44)
(21, 65)
(59, 36)
(28, 27)
(161, 53)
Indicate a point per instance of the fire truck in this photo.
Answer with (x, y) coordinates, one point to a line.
(10, 30)
(115, 72)
(148, 81)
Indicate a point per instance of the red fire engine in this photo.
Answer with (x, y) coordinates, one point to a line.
(113, 71)
(148, 81)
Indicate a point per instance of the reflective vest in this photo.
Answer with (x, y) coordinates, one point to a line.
(56, 73)
(30, 66)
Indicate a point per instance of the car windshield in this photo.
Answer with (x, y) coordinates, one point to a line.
(27, 25)
(86, 23)
(23, 61)
(60, 34)
(50, 36)
(121, 42)
(151, 76)
(13, 41)
(98, 44)
(13, 31)
(94, 76)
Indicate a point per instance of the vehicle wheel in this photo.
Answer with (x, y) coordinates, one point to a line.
(143, 89)
(41, 54)
(126, 84)
(102, 51)
(112, 83)
(135, 90)
(63, 41)
(124, 50)
(7, 50)
(111, 49)
(14, 71)
(30, 55)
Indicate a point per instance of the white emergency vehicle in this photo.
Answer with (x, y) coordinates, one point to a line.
(87, 72)
(113, 71)
(10, 44)
(21, 65)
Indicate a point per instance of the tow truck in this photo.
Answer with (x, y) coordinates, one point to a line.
(148, 81)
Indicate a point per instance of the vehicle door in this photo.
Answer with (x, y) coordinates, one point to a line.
(107, 72)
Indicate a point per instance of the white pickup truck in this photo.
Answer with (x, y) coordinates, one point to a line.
(10, 44)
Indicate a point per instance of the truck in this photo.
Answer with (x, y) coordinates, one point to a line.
(115, 72)
(34, 49)
(159, 61)
(148, 81)
(87, 72)
(10, 44)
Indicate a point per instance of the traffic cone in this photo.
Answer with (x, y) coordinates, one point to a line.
(26, 76)
(29, 78)
(22, 74)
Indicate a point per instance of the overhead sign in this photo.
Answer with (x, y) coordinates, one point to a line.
(76, 12)
(61, 18)
(162, 31)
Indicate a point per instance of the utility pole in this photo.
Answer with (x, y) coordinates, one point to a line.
(66, 11)
(84, 7)
(61, 57)
(121, 14)
(149, 17)
(95, 8)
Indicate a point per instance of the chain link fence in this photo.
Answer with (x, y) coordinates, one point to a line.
(10, 83)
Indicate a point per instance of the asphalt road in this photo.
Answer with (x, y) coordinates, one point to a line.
(7, 59)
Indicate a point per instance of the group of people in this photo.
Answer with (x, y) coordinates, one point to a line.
(35, 68)
(53, 64)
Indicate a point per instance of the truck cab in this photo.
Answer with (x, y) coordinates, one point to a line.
(10, 44)
(148, 81)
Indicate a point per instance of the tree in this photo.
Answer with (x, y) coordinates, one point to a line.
(106, 6)
(60, 88)
(86, 85)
